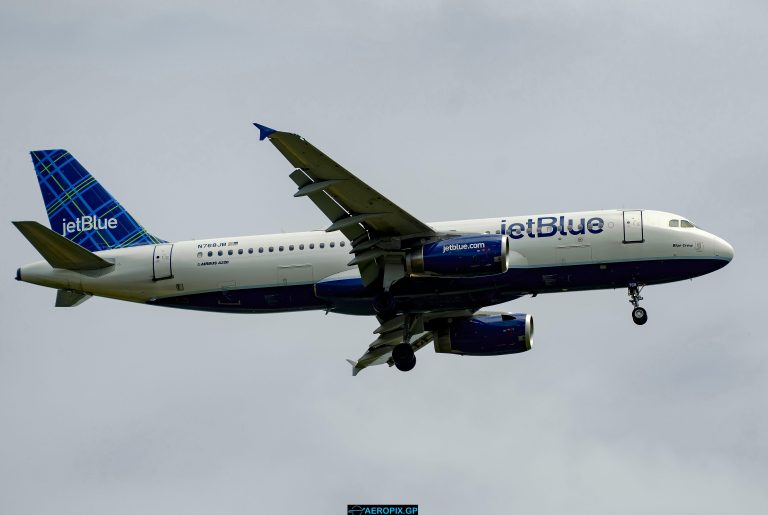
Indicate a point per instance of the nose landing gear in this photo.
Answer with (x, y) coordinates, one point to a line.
(639, 315)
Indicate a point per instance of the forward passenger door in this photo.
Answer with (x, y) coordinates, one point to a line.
(633, 227)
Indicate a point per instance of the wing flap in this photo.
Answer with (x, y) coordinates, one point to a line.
(330, 208)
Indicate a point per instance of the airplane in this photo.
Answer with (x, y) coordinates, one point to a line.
(424, 282)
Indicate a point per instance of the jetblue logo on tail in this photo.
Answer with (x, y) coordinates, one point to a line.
(80, 209)
(87, 223)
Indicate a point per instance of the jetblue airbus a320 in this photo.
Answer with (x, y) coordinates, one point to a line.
(425, 282)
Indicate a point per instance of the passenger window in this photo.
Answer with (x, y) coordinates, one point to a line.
(311, 245)
(686, 224)
(210, 253)
(290, 247)
(322, 245)
(271, 249)
(240, 251)
(341, 244)
(674, 223)
(301, 247)
(230, 252)
(199, 254)
(332, 244)
(281, 248)
(261, 250)
(221, 253)
(250, 251)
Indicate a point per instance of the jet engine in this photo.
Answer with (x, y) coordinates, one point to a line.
(464, 256)
(486, 335)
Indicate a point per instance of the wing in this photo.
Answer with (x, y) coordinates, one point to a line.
(392, 332)
(376, 226)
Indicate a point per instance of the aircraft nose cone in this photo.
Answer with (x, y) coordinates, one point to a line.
(724, 250)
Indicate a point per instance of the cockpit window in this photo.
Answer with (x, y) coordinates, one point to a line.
(686, 224)
(674, 223)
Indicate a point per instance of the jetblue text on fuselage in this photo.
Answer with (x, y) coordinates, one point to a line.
(87, 223)
(545, 226)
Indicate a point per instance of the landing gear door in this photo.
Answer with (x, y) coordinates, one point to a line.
(633, 227)
(161, 262)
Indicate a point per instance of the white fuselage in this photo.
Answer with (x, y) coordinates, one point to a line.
(540, 245)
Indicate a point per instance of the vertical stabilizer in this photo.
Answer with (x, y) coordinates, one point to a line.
(80, 209)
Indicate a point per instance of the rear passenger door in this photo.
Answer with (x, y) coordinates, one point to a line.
(161, 262)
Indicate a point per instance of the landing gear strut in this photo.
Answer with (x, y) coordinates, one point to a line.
(639, 315)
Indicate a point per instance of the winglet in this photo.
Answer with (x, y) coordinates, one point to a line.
(264, 131)
(355, 370)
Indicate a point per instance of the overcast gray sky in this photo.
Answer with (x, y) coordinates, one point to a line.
(453, 110)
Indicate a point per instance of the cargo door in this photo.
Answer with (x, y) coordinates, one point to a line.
(294, 274)
(161, 262)
(574, 254)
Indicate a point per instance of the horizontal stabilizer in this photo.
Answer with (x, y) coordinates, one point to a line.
(58, 250)
(70, 298)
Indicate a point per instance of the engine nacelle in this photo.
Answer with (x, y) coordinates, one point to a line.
(464, 256)
(486, 335)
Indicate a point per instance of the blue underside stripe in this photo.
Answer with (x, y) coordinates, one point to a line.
(343, 295)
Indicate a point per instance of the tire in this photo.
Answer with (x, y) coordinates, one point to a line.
(639, 316)
(404, 357)
(406, 367)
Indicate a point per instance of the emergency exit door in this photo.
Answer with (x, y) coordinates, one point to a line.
(161, 262)
(633, 227)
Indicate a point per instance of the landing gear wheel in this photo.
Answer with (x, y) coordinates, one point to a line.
(404, 357)
(639, 315)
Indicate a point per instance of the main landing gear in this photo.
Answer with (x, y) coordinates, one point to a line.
(404, 357)
(639, 315)
(403, 354)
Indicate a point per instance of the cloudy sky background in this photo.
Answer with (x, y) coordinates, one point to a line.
(453, 110)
